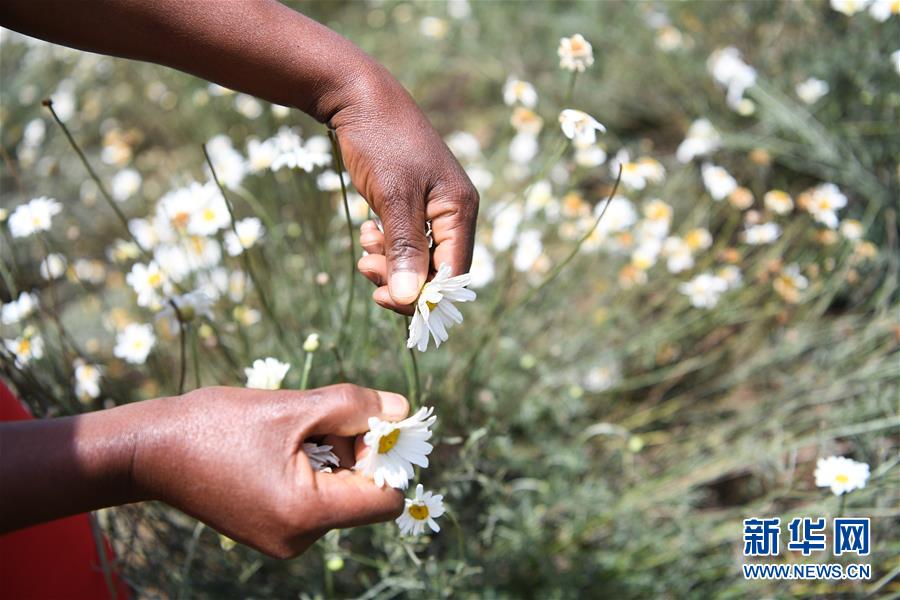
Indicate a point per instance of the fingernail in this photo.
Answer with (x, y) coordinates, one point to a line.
(404, 287)
(393, 406)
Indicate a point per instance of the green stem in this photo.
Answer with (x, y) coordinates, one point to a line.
(339, 165)
(570, 90)
(182, 334)
(185, 591)
(195, 356)
(307, 367)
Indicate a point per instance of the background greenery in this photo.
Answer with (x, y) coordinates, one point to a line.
(554, 491)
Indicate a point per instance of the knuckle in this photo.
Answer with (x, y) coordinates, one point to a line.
(403, 248)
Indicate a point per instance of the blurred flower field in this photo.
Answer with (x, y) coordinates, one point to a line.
(645, 365)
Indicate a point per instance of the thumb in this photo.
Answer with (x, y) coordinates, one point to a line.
(406, 248)
(353, 499)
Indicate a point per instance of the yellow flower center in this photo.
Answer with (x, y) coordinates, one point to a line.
(577, 46)
(24, 347)
(418, 511)
(154, 279)
(388, 441)
(431, 305)
(209, 214)
(841, 478)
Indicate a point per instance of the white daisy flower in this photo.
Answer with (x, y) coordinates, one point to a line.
(423, 509)
(320, 456)
(825, 201)
(87, 380)
(210, 216)
(790, 282)
(318, 149)
(850, 229)
(394, 447)
(435, 312)
(678, 254)
(730, 71)
(125, 184)
(881, 10)
(33, 216)
(517, 91)
(698, 238)
(718, 181)
(228, 163)
(590, 156)
(764, 233)
(811, 90)
(27, 347)
(134, 343)
(528, 250)
(504, 225)
(191, 306)
(841, 474)
(464, 145)
(580, 127)
(778, 202)
(525, 120)
(701, 139)
(482, 271)
(260, 155)
(248, 106)
(575, 53)
(523, 148)
(149, 282)
(704, 290)
(849, 7)
(266, 374)
(731, 274)
(53, 266)
(329, 181)
(636, 174)
(249, 231)
(16, 310)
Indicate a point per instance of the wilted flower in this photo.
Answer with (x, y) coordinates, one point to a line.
(320, 456)
(311, 343)
(704, 290)
(719, 182)
(789, 283)
(580, 127)
(741, 198)
(33, 216)
(423, 509)
(249, 231)
(778, 201)
(518, 91)
(841, 474)
(575, 53)
(525, 120)
(394, 447)
(435, 312)
(16, 310)
(87, 380)
(811, 90)
(764, 233)
(266, 374)
(134, 343)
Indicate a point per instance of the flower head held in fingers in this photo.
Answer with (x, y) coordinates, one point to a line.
(320, 456)
(435, 312)
(423, 509)
(393, 448)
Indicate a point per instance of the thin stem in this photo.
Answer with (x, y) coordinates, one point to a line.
(307, 367)
(339, 165)
(112, 203)
(245, 255)
(185, 591)
(416, 399)
(570, 90)
(195, 355)
(182, 334)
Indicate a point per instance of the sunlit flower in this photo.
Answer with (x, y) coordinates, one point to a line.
(811, 90)
(525, 120)
(881, 10)
(29, 346)
(730, 71)
(528, 249)
(260, 155)
(329, 181)
(249, 231)
(19, 309)
(33, 216)
(433, 27)
(423, 509)
(210, 216)
(482, 271)
(248, 106)
(764, 233)
(678, 254)
(789, 283)
(518, 91)
(149, 283)
(824, 202)
(849, 7)
(657, 217)
(635, 175)
(435, 312)
(701, 139)
(464, 145)
(580, 127)
(645, 255)
(394, 447)
(320, 456)
(590, 156)
(228, 163)
(523, 148)
(266, 374)
(778, 202)
(504, 224)
(719, 182)
(851, 229)
(191, 306)
(87, 380)
(134, 343)
(575, 53)
(841, 474)
(704, 290)
(53, 266)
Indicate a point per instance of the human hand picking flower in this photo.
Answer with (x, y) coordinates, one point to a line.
(233, 458)
(396, 159)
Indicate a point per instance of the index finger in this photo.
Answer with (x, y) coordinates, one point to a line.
(452, 209)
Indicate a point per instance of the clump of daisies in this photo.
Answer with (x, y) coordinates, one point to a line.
(435, 311)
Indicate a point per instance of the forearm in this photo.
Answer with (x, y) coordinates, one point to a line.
(256, 46)
(52, 468)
